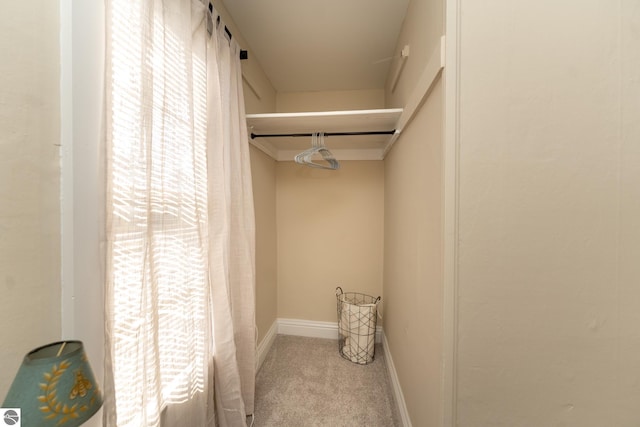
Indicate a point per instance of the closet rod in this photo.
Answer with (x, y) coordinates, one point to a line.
(279, 135)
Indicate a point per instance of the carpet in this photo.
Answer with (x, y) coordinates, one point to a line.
(304, 382)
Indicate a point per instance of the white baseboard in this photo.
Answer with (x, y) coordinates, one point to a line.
(395, 384)
(314, 329)
(308, 328)
(301, 328)
(265, 344)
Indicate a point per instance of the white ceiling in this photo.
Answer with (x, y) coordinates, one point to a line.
(321, 45)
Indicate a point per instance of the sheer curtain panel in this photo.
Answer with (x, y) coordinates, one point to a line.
(232, 231)
(179, 296)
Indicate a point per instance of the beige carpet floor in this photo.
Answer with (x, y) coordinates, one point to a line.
(304, 382)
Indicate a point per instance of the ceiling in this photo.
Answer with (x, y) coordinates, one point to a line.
(321, 45)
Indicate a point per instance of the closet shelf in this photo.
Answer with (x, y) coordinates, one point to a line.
(345, 147)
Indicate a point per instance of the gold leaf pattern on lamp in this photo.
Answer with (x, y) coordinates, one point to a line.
(52, 408)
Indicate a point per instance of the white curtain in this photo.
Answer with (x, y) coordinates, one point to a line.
(179, 302)
(232, 231)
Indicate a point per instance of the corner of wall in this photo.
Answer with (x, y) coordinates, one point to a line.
(395, 384)
(266, 343)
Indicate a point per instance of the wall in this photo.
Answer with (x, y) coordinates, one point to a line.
(413, 283)
(330, 233)
(330, 223)
(413, 261)
(421, 30)
(29, 182)
(287, 102)
(263, 170)
(549, 214)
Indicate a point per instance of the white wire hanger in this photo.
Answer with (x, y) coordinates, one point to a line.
(318, 147)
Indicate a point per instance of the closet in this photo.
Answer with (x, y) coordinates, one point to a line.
(373, 225)
(486, 318)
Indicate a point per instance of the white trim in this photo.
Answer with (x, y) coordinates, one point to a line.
(450, 211)
(299, 121)
(395, 384)
(301, 328)
(338, 153)
(82, 41)
(314, 329)
(67, 312)
(266, 344)
(308, 328)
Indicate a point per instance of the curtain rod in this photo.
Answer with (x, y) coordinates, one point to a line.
(279, 135)
(243, 53)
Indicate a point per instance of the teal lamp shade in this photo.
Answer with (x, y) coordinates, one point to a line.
(55, 386)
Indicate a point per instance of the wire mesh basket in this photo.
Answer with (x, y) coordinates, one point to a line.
(357, 318)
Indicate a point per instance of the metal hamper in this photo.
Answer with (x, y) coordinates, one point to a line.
(357, 318)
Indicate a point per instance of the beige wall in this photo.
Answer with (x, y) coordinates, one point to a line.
(421, 30)
(287, 102)
(29, 181)
(263, 170)
(413, 261)
(330, 233)
(329, 223)
(413, 283)
(301, 271)
(549, 302)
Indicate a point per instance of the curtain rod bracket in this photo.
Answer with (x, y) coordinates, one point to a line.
(243, 53)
